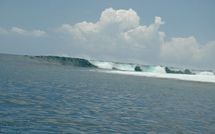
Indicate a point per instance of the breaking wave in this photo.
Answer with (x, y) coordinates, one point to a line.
(63, 61)
(155, 71)
(145, 68)
(113, 66)
(127, 68)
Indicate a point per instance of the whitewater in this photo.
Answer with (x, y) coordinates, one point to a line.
(186, 77)
(154, 71)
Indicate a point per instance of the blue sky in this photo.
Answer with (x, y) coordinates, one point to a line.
(183, 18)
(188, 21)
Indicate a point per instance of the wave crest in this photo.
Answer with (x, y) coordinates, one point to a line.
(132, 69)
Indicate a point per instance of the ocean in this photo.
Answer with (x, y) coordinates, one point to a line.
(45, 96)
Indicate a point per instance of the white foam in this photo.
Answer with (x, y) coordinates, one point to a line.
(124, 67)
(159, 69)
(112, 65)
(102, 65)
(205, 73)
(186, 77)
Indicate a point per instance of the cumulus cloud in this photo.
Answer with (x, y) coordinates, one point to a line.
(21, 31)
(118, 34)
(179, 49)
(188, 51)
(111, 21)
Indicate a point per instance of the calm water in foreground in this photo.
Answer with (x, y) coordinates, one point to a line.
(44, 98)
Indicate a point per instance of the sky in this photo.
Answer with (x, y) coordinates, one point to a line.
(162, 32)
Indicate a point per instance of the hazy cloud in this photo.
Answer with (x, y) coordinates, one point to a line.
(188, 51)
(21, 31)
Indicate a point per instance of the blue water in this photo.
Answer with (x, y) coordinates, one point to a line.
(48, 98)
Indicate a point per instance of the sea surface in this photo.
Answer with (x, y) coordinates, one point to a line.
(37, 97)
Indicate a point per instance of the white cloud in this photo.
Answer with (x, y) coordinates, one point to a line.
(124, 19)
(179, 49)
(38, 33)
(20, 31)
(111, 21)
(158, 20)
(188, 51)
(119, 35)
